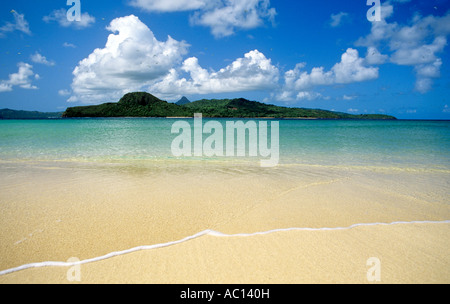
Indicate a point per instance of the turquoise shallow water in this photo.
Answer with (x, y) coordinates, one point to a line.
(422, 144)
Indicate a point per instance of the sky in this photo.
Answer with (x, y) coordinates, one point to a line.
(347, 56)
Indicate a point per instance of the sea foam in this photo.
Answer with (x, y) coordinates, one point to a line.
(200, 234)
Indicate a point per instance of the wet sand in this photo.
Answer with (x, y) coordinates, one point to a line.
(56, 211)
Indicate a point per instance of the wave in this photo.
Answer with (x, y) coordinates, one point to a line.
(200, 234)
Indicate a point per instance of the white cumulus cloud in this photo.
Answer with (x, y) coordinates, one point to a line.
(230, 15)
(417, 44)
(38, 58)
(224, 17)
(131, 59)
(352, 68)
(23, 78)
(251, 73)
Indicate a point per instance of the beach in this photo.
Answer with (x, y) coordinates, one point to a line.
(170, 220)
(247, 143)
(86, 211)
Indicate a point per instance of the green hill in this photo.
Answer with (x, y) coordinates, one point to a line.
(253, 109)
(142, 104)
(137, 104)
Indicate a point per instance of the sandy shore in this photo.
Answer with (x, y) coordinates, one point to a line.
(407, 253)
(53, 212)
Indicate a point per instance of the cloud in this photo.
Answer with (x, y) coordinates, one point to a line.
(253, 72)
(131, 60)
(337, 19)
(64, 93)
(4, 87)
(381, 30)
(60, 16)
(425, 74)
(374, 57)
(417, 44)
(299, 84)
(352, 68)
(69, 45)
(38, 58)
(309, 96)
(224, 17)
(422, 54)
(23, 78)
(20, 24)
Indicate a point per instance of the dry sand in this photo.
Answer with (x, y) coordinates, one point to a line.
(53, 212)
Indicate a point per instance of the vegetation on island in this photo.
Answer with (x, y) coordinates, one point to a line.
(141, 104)
(131, 105)
(13, 114)
(252, 109)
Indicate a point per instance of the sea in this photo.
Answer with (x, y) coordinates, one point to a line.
(382, 143)
(87, 188)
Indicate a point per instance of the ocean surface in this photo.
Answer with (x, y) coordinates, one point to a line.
(93, 188)
(403, 144)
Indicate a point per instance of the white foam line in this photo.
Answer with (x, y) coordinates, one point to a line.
(200, 234)
(219, 234)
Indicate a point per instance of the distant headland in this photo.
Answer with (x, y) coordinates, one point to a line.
(14, 114)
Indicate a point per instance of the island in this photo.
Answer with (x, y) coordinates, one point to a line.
(142, 104)
(14, 114)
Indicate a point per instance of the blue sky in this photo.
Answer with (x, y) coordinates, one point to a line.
(315, 54)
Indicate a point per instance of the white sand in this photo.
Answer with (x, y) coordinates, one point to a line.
(52, 212)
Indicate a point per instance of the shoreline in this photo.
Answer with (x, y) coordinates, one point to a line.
(126, 267)
(210, 233)
(55, 211)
